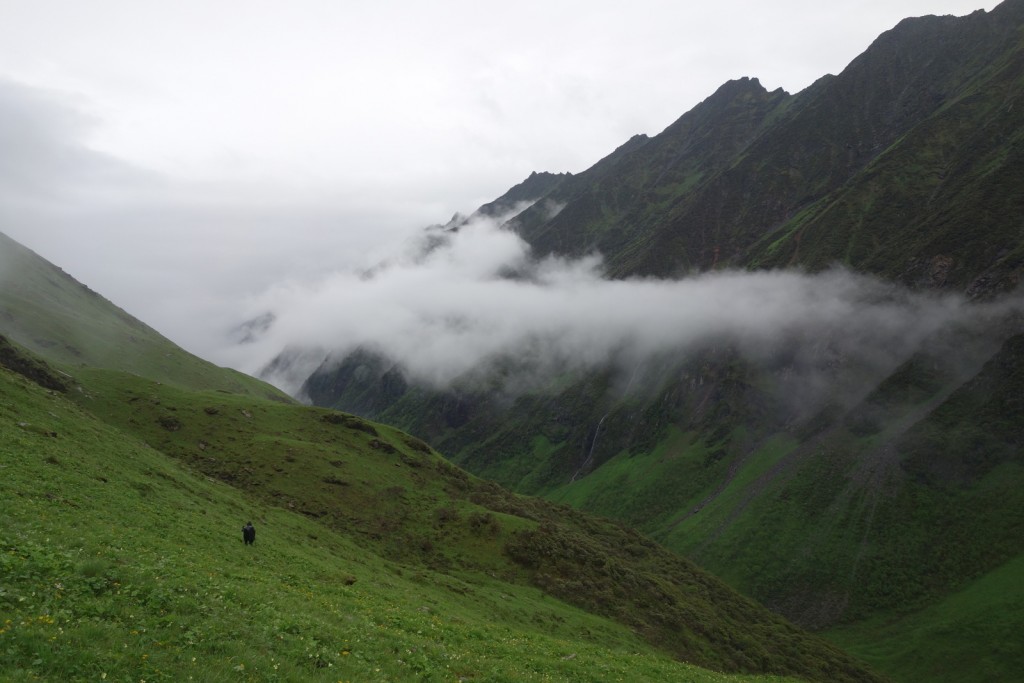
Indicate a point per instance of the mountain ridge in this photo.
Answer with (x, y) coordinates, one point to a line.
(800, 156)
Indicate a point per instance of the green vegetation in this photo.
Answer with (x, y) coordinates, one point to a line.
(896, 525)
(123, 564)
(49, 312)
(970, 635)
(884, 508)
(671, 478)
(872, 519)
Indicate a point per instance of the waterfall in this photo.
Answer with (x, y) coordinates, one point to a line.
(593, 443)
(590, 454)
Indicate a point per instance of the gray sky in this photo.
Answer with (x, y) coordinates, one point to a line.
(188, 159)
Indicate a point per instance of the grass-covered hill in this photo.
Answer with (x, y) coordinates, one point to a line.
(375, 558)
(125, 490)
(49, 312)
(120, 563)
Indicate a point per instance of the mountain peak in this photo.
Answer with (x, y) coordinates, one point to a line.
(736, 93)
(740, 85)
(530, 190)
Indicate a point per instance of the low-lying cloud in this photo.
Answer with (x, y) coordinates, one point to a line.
(194, 258)
(453, 303)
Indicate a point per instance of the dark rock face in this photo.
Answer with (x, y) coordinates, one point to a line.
(365, 382)
(535, 186)
(31, 368)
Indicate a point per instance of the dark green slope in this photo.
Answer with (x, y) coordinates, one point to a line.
(874, 517)
(49, 312)
(973, 635)
(615, 206)
(911, 495)
(886, 167)
(939, 206)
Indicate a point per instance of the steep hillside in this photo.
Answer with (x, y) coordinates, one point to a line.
(968, 636)
(619, 206)
(376, 558)
(48, 311)
(906, 164)
(938, 204)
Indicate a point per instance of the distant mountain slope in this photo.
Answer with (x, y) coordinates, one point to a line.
(964, 637)
(618, 206)
(49, 312)
(906, 165)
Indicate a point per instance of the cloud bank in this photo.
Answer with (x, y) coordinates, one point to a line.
(197, 259)
(180, 255)
(451, 304)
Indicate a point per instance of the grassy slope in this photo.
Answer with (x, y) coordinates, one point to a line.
(107, 539)
(969, 636)
(882, 517)
(121, 564)
(404, 502)
(856, 555)
(49, 312)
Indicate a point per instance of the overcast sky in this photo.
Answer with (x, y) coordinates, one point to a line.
(186, 158)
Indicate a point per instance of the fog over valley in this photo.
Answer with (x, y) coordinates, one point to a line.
(448, 305)
(548, 340)
(196, 188)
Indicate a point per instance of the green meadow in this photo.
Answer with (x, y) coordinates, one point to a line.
(120, 563)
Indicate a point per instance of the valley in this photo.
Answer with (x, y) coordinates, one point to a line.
(739, 402)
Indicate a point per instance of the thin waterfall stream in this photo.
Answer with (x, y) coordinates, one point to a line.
(593, 443)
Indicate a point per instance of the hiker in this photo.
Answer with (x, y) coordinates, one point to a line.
(249, 533)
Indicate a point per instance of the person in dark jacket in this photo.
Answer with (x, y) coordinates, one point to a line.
(249, 533)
